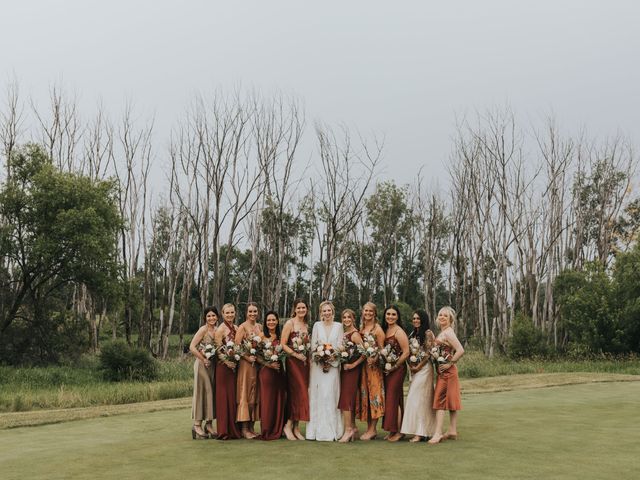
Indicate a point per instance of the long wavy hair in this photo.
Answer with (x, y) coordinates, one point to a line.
(265, 329)
(384, 317)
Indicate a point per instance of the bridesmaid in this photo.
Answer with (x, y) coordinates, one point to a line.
(447, 392)
(370, 406)
(247, 386)
(202, 407)
(226, 406)
(273, 385)
(349, 378)
(420, 323)
(394, 377)
(297, 370)
(419, 418)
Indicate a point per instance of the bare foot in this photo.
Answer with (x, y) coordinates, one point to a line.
(435, 439)
(298, 434)
(289, 433)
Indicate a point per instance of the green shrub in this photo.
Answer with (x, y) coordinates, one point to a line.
(526, 340)
(119, 361)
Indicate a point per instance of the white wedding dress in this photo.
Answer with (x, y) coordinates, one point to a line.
(325, 420)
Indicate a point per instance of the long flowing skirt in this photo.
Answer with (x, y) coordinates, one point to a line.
(325, 420)
(370, 404)
(349, 382)
(419, 417)
(226, 403)
(394, 396)
(247, 392)
(447, 392)
(273, 396)
(203, 404)
(298, 389)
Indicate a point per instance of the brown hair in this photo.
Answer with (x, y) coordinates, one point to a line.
(295, 304)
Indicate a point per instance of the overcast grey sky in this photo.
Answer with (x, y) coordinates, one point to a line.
(402, 69)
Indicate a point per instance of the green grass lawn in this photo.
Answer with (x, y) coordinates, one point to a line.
(576, 431)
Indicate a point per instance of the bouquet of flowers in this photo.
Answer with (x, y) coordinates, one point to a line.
(229, 352)
(416, 352)
(369, 346)
(208, 351)
(348, 352)
(440, 354)
(388, 358)
(271, 353)
(251, 345)
(324, 355)
(300, 344)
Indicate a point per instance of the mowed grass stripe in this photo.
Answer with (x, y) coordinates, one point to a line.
(580, 431)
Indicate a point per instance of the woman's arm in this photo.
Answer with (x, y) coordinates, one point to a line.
(193, 346)
(451, 338)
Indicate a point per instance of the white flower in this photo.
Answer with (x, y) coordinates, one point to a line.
(256, 339)
(370, 350)
(301, 348)
(320, 348)
(274, 358)
(413, 359)
(388, 366)
(344, 354)
(327, 352)
(252, 351)
(230, 343)
(236, 356)
(441, 359)
(267, 345)
(208, 355)
(279, 348)
(366, 345)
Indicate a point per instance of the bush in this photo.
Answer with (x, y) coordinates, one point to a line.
(526, 340)
(119, 361)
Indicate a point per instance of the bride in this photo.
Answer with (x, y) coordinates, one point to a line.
(325, 420)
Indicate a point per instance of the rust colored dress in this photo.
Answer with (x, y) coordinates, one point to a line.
(226, 396)
(370, 401)
(393, 387)
(203, 404)
(298, 385)
(447, 392)
(349, 381)
(247, 388)
(273, 396)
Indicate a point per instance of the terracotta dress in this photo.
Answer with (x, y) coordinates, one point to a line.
(370, 401)
(298, 386)
(447, 392)
(273, 396)
(203, 404)
(247, 388)
(393, 387)
(349, 381)
(226, 396)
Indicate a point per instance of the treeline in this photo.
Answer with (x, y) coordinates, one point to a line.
(107, 231)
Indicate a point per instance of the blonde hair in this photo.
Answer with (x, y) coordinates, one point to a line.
(451, 313)
(372, 306)
(226, 305)
(323, 304)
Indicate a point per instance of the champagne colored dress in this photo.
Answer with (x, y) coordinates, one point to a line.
(393, 387)
(349, 381)
(298, 385)
(203, 404)
(226, 395)
(273, 396)
(419, 417)
(247, 386)
(447, 391)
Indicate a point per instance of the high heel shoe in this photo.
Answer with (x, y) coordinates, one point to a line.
(198, 436)
(346, 438)
(366, 437)
(208, 429)
(434, 442)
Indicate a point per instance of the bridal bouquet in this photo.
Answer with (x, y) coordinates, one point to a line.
(388, 358)
(251, 345)
(440, 354)
(300, 344)
(369, 347)
(416, 352)
(208, 351)
(348, 352)
(325, 355)
(229, 352)
(271, 353)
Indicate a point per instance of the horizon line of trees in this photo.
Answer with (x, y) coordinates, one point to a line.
(531, 219)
